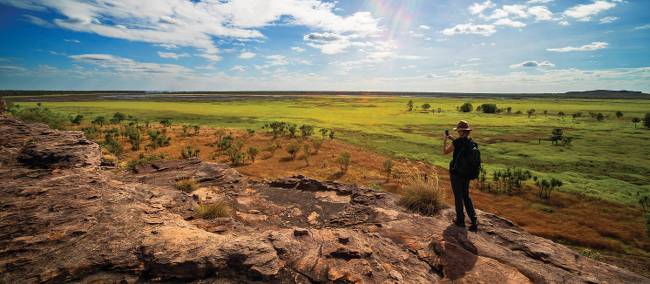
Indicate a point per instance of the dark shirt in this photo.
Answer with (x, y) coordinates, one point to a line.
(459, 144)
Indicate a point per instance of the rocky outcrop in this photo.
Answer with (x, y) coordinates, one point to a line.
(65, 219)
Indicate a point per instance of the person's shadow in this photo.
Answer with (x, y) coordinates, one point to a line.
(459, 255)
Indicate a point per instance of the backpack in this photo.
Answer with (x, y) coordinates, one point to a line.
(468, 162)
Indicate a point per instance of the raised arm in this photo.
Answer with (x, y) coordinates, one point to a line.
(447, 147)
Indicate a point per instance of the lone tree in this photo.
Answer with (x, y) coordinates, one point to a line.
(646, 120)
(99, 120)
(76, 119)
(509, 109)
(530, 112)
(252, 152)
(323, 132)
(489, 108)
(306, 130)
(600, 117)
(466, 107)
(426, 106)
(118, 117)
(619, 114)
(560, 114)
(635, 120)
(410, 105)
(293, 150)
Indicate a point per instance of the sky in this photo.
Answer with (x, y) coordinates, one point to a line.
(317, 45)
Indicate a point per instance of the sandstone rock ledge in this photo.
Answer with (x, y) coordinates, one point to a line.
(64, 219)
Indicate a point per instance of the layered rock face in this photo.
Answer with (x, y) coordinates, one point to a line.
(64, 219)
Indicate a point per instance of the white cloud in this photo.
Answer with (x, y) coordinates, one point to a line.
(297, 49)
(539, 1)
(197, 23)
(478, 8)
(541, 13)
(469, 28)
(587, 47)
(517, 11)
(273, 61)
(533, 64)
(608, 20)
(246, 55)
(172, 55)
(38, 21)
(643, 27)
(333, 43)
(510, 23)
(416, 34)
(125, 65)
(72, 40)
(584, 12)
(424, 27)
(238, 68)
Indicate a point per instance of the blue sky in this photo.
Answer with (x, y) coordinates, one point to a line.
(382, 45)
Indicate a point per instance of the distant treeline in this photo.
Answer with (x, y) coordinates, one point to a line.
(596, 94)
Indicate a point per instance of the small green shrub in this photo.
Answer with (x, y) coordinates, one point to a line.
(344, 160)
(186, 185)
(466, 107)
(112, 145)
(40, 114)
(252, 153)
(388, 168)
(76, 119)
(189, 152)
(489, 108)
(213, 210)
(158, 139)
(306, 130)
(142, 160)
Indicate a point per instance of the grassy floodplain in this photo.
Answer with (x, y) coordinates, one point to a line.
(607, 159)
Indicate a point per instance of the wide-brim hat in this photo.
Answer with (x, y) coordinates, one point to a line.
(463, 125)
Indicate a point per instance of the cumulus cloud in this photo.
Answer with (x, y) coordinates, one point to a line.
(478, 8)
(297, 49)
(509, 23)
(587, 47)
(172, 55)
(196, 23)
(533, 64)
(424, 27)
(584, 12)
(246, 55)
(541, 13)
(470, 28)
(333, 43)
(125, 65)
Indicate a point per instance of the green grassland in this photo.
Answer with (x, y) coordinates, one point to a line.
(609, 159)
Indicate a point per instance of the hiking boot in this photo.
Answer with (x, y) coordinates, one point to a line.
(473, 227)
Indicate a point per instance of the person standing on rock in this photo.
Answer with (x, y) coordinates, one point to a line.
(464, 166)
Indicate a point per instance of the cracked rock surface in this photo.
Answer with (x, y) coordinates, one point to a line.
(64, 219)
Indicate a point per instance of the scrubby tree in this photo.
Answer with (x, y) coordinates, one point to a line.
(323, 132)
(426, 106)
(111, 144)
(545, 112)
(306, 130)
(99, 120)
(133, 134)
(317, 144)
(197, 129)
(166, 122)
(292, 128)
(158, 139)
(189, 152)
(410, 105)
(489, 108)
(466, 107)
(619, 114)
(331, 134)
(530, 112)
(509, 109)
(76, 119)
(344, 160)
(252, 153)
(635, 120)
(293, 149)
(600, 117)
(118, 117)
(561, 114)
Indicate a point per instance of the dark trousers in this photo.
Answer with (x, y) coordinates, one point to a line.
(460, 186)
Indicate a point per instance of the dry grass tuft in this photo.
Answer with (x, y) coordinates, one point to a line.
(186, 185)
(213, 210)
(421, 193)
